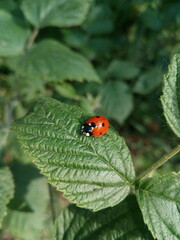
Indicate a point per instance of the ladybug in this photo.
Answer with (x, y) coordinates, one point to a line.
(95, 126)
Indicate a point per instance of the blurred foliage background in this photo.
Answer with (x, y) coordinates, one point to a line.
(112, 63)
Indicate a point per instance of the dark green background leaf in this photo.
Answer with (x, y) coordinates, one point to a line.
(52, 61)
(100, 20)
(13, 35)
(92, 172)
(61, 13)
(159, 200)
(116, 101)
(122, 69)
(6, 190)
(148, 82)
(27, 210)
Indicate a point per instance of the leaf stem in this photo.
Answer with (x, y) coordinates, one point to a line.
(157, 164)
(52, 203)
(32, 38)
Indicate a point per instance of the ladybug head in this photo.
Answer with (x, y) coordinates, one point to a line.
(86, 130)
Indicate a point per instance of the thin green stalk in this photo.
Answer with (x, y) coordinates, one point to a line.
(32, 38)
(52, 203)
(157, 164)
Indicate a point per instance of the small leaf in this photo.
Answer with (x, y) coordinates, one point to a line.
(57, 64)
(123, 222)
(13, 35)
(99, 20)
(158, 199)
(6, 190)
(148, 82)
(92, 172)
(152, 19)
(122, 69)
(60, 13)
(26, 211)
(116, 101)
(66, 90)
(170, 95)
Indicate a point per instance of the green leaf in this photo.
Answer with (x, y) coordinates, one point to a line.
(13, 35)
(8, 5)
(75, 37)
(116, 101)
(92, 172)
(152, 19)
(27, 210)
(57, 64)
(99, 20)
(60, 13)
(66, 90)
(148, 82)
(6, 190)
(123, 222)
(170, 95)
(158, 199)
(122, 69)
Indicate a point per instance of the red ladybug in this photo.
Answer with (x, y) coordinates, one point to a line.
(95, 126)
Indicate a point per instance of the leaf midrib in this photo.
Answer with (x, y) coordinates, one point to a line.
(157, 195)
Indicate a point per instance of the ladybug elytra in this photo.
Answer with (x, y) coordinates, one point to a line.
(95, 126)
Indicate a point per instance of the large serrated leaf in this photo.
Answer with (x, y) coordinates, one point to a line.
(60, 13)
(58, 63)
(13, 35)
(123, 222)
(159, 200)
(170, 95)
(92, 172)
(6, 190)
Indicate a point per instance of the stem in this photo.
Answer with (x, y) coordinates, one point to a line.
(157, 164)
(32, 38)
(52, 203)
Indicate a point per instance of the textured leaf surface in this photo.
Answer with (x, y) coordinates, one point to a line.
(170, 95)
(159, 200)
(27, 210)
(6, 190)
(60, 13)
(116, 100)
(12, 35)
(92, 172)
(123, 222)
(57, 64)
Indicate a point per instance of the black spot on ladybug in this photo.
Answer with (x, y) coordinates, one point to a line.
(103, 124)
(93, 124)
(100, 133)
(97, 116)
